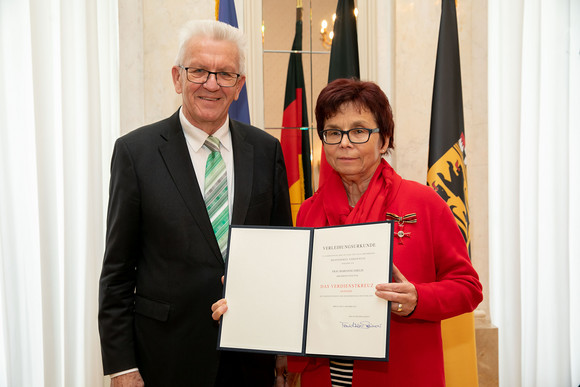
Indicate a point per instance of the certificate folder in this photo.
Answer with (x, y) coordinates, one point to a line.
(308, 291)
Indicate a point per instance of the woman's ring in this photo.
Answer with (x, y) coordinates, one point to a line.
(400, 308)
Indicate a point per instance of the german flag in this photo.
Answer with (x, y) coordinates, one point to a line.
(447, 174)
(344, 61)
(295, 135)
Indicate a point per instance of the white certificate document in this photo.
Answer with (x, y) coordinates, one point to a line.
(308, 291)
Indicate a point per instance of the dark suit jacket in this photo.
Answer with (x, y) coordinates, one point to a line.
(162, 267)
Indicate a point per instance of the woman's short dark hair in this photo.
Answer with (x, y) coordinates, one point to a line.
(365, 95)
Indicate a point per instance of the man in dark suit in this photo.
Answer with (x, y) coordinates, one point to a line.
(163, 265)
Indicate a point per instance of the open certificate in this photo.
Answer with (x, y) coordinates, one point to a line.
(308, 291)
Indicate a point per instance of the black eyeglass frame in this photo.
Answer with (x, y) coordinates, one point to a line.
(347, 132)
(215, 73)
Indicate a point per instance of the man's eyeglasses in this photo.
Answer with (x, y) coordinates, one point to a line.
(200, 76)
(355, 135)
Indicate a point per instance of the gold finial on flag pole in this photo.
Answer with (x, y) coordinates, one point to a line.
(298, 10)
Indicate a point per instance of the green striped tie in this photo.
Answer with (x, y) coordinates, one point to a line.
(216, 193)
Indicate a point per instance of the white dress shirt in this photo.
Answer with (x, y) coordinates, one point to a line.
(195, 139)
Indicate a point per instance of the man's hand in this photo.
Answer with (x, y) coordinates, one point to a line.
(219, 308)
(132, 379)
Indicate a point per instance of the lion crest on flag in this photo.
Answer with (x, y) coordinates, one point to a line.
(448, 177)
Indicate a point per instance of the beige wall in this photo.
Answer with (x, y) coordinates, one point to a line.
(148, 32)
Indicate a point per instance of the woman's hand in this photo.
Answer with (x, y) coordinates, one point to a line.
(283, 377)
(401, 293)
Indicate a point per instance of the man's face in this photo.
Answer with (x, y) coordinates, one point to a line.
(206, 105)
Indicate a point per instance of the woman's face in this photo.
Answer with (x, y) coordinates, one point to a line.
(354, 161)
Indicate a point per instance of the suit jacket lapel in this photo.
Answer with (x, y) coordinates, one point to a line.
(178, 162)
(244, 172)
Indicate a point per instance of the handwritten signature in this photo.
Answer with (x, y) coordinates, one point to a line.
(359, 325)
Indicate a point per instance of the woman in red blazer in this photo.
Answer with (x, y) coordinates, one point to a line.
(433, 276)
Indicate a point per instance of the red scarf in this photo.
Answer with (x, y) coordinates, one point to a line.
(329, 205)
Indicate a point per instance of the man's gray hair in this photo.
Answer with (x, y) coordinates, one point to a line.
(215, 30)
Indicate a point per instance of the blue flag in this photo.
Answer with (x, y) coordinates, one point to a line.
(239, 110)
